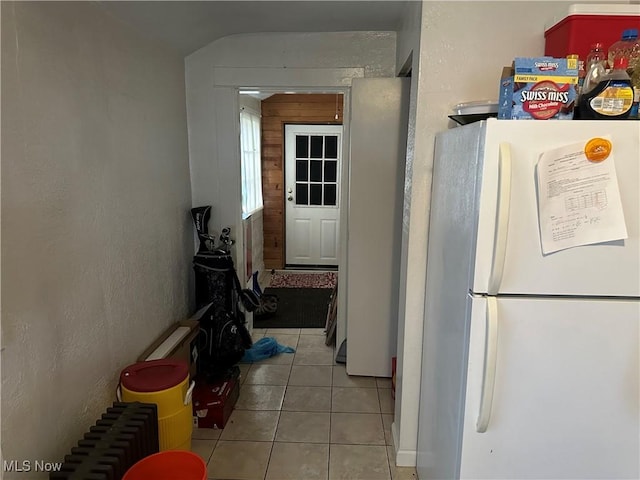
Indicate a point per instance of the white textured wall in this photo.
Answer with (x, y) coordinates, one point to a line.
(96, 234)
(462, 47)
(373, 51)
(411, 288)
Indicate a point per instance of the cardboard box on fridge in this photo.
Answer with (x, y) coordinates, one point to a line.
(179, 342)
(213, 402)
(538, 88)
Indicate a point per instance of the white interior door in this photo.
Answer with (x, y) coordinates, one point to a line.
(378, 139)
(312, 194)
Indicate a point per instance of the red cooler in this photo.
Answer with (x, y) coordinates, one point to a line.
(585, 25)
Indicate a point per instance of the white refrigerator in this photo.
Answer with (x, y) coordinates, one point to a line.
(530, 366)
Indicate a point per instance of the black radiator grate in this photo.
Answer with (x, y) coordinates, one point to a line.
(126, 433)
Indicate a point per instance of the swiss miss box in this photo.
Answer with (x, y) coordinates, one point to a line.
(539, 88)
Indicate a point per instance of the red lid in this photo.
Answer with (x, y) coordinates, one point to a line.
(154, 375)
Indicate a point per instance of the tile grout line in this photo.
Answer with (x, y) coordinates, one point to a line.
(275, 433)
(330, 423)
(386, 452)
(266, 472)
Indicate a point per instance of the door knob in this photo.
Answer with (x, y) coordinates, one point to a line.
(290, 197)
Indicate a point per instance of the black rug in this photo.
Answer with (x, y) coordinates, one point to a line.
(297, 308)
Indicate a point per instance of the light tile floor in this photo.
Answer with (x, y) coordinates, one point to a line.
(301, 417)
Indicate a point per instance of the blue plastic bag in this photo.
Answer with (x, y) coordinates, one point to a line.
(264, 348)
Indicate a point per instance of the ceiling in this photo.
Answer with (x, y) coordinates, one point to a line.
(187, 25)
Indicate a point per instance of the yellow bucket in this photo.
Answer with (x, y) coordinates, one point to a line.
(165, 383)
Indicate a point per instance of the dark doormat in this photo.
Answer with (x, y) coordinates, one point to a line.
(297, 308)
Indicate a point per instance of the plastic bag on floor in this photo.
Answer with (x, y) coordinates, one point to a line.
(264, 348)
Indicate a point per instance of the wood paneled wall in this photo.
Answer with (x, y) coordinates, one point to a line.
(277, 111)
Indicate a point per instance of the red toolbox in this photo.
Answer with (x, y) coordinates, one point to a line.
(214, 402)
(587, 24)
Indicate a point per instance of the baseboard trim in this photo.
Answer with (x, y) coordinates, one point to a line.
(404, 458)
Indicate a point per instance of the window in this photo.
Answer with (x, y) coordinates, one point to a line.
(250, 162)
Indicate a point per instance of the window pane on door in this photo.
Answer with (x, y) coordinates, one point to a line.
(316, 146)
(302, 146)
(331, 146)
(302, 194)
(330, 195)
(330, 170)
(316, 194)
(302, 173)
(316, 171)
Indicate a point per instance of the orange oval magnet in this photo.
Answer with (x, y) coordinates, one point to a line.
(597, 149)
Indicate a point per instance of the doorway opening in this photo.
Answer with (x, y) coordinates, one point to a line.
(279, 227)
(267, 230)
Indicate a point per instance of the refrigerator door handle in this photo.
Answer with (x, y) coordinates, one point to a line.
(502, 219)
(490, 360)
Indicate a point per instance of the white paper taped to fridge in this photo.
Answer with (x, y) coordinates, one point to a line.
(579, 199)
